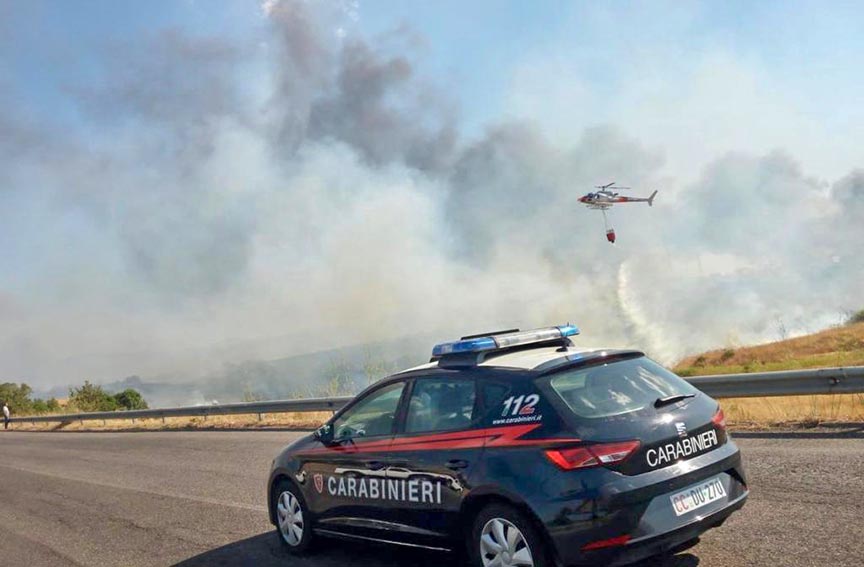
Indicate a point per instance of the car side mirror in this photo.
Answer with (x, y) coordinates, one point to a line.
(324, 434)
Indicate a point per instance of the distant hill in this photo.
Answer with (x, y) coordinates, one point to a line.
(332, 372)
(838, 346)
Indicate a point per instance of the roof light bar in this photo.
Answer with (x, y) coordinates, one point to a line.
(494, 342)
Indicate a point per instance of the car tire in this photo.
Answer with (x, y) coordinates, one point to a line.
(492, 537)
(293, 520)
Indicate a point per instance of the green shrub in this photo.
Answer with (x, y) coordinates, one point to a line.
(91, 397)
(727, 355)
(39, 406)
(130, 399)
(856, 317)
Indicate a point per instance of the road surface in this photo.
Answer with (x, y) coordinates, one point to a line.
(197, 499)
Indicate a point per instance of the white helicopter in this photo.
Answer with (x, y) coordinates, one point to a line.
(605, 197)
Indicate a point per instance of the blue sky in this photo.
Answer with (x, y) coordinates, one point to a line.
(566, 64)
(155, 208)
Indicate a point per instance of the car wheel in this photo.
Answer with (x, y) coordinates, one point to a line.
(502, 536)
(293, 523)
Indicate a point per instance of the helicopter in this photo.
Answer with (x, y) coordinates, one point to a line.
(605, 197)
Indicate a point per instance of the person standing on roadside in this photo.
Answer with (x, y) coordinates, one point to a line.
(5, 416)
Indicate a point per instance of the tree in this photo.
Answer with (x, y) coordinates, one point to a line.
(130, 399)
(91, 397)
(17, 396)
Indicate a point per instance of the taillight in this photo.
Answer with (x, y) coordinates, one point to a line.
(592, 455)
(603, 543)
(719, 420)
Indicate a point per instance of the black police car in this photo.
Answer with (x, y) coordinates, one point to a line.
(522, 448)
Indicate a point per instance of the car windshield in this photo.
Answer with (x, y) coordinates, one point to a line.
(617, 387)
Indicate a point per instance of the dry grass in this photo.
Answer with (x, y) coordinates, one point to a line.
(804, 411)
(300, 421)
(840, 346)
(740, 412)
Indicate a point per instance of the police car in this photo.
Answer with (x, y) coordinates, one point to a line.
(520, 448)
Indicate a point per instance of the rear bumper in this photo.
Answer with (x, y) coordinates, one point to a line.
(648, 546)
(640, 507)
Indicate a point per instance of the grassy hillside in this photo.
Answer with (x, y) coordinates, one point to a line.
(840, 346)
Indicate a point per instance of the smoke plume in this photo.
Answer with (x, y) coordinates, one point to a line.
(212, 200)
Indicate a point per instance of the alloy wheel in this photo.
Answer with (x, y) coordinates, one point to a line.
(290, 516)
(503, 545)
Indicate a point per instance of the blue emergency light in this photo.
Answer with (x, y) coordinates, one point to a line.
(502, 340)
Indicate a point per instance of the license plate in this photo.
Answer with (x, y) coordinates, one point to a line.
(697, 496)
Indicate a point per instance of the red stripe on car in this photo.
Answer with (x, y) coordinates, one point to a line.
(507, 436)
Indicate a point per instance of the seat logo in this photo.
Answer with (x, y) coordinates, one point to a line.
(681, 427)
(319, 482)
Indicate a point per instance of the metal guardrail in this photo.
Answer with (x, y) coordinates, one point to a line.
(843, 380)
(848, 380)
(240, 408)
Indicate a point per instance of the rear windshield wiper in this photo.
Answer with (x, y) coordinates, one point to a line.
(660, 402)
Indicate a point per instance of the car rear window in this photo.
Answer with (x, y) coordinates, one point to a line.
(617, 387)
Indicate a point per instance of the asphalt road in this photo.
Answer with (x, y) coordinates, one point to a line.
(197, 499)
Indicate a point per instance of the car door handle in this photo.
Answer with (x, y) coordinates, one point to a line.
(375, 465)
(456, 464)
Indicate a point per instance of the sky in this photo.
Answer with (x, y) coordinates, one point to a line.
(188, 183)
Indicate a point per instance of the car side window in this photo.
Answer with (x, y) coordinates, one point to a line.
(373, 415)
(440, 405)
